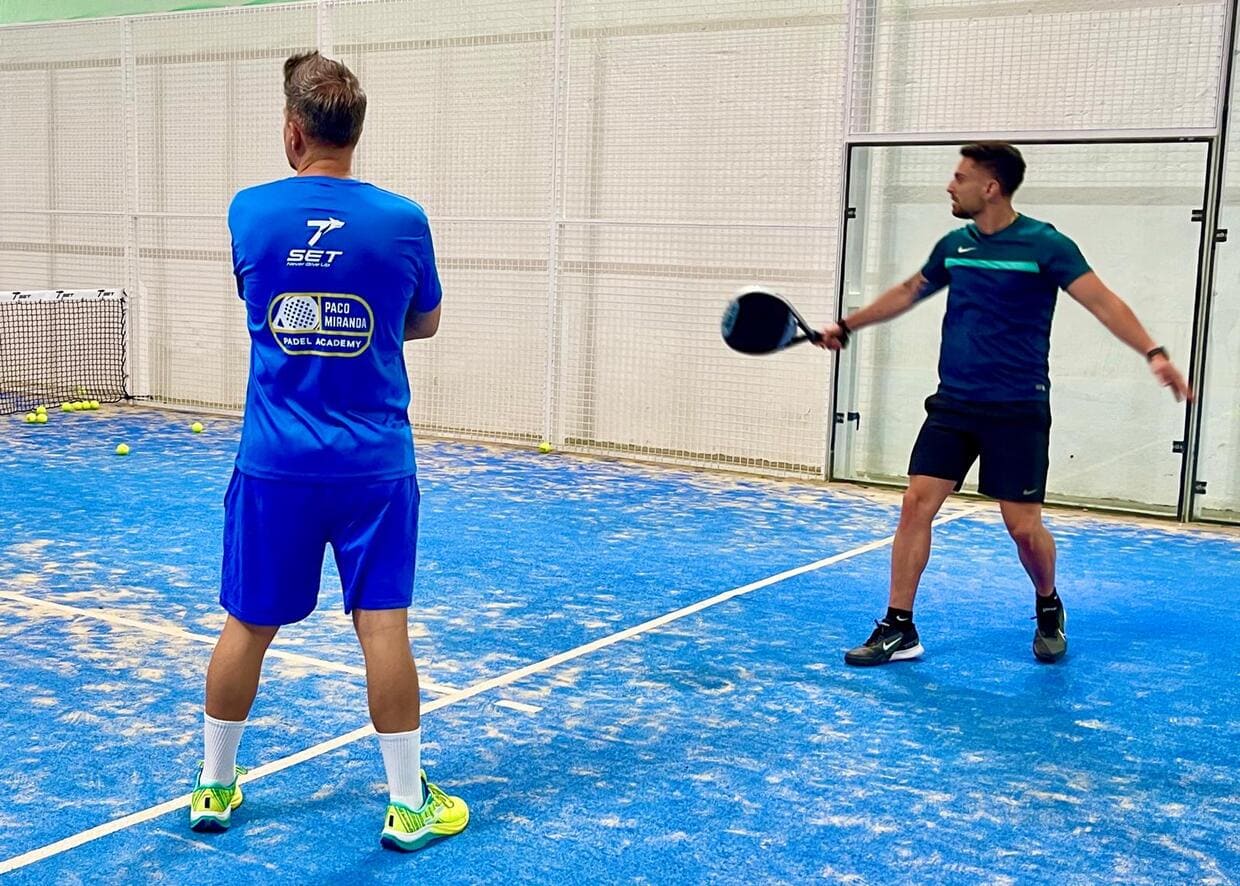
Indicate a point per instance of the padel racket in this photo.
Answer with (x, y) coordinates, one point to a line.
(760, 322)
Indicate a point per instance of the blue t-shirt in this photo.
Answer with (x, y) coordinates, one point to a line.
(997, 330)
(328, 269)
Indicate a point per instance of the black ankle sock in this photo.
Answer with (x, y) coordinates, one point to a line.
(1047, 611)
(899, 618)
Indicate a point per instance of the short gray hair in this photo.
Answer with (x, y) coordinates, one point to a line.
(325, 97)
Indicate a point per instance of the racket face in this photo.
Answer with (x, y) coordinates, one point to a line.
(757, 322)
(298, 313)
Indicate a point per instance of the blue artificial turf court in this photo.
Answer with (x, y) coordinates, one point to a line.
(633, 675)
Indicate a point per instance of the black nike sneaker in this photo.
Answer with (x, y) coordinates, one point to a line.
(1050, 642)
(887, 643)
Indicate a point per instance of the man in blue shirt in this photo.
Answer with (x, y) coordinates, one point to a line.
(336, 276)
(1004, 271)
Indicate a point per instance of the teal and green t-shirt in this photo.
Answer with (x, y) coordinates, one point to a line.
(1001, 298)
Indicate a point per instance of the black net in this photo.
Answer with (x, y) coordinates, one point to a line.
(58, 347)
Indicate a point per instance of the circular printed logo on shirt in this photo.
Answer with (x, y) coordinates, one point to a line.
(321, 324)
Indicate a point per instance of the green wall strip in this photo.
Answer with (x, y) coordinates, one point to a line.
(13, 11)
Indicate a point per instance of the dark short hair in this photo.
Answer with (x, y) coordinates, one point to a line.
(325, 97)
(1001, 160)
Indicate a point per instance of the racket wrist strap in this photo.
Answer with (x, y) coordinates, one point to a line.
(845, 331)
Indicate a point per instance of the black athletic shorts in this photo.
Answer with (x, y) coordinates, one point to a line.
(1012, 440)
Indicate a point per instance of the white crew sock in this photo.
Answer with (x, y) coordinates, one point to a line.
(219, 741)
(402, 758)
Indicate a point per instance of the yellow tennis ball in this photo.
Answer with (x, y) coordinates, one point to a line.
(30, 419)
(66, 407)
(40, 410)
(196, 427)
(545, 447)
(122, 449)
(94, 404)
(41, 418)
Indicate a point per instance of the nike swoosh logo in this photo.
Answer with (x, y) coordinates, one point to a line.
(1045, 611)
(963, 249)
(891, 644)
(901, 618)
(1029, 491)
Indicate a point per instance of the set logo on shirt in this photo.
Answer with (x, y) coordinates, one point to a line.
(316, 258)
(321, 324)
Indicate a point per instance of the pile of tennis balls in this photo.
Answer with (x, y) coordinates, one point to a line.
(39, 416)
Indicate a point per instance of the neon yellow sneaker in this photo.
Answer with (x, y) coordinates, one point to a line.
(211, 805)
(410, 829)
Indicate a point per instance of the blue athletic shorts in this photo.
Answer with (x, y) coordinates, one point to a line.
(277, 531)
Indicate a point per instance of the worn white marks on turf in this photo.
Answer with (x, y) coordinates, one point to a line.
(318, 750)
(27, 550)
(114, 618)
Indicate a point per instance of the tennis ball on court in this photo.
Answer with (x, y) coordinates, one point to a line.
(30, 418)
(122, 449)
(94, 404)
(41, 417)
(66, 407)
(545, 447)
(196, 427)
(40, 410)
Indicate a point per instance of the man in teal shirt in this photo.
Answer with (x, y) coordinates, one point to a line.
(1004, 271)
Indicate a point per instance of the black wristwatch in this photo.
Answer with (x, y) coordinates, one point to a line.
(846, 333)
(1154, 352)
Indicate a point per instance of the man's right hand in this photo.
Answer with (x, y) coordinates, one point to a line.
(1170, 377)
(833, 338)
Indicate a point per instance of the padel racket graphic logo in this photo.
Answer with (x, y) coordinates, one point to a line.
(297, 313)
(320, 324)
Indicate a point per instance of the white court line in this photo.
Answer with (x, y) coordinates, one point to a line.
(182, 634)
(518, 706)
(120, 824)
